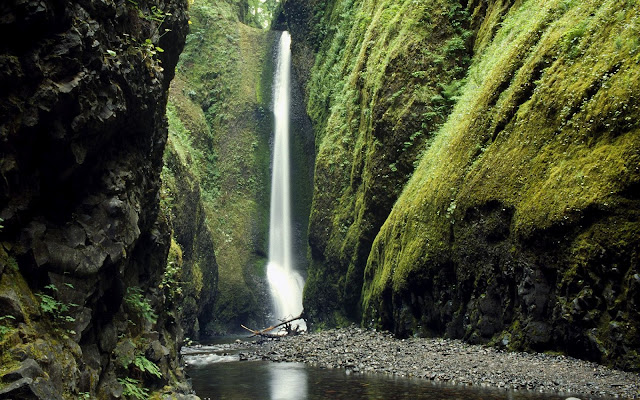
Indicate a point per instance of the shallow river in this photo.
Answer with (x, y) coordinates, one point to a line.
(217, 373)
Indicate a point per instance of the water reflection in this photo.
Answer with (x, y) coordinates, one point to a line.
(288, 381)
(222, 379)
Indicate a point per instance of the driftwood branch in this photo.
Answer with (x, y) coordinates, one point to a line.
(267, 332)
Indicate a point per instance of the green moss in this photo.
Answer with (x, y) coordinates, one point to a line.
(7, 364)
(544, 126)
(368, 98)
(175, 253)
(219, 129)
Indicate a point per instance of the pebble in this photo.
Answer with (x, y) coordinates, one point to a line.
(442, 360)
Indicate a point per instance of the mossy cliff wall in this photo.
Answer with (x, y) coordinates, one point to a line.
(83, 247)
(381, 85)
(518, 224)
(220, 134)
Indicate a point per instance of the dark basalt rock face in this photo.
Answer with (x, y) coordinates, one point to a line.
(83, 90)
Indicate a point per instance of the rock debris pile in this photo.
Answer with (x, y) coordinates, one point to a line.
(442, 360)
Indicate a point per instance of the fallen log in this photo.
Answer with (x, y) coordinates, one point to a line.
(289, 330)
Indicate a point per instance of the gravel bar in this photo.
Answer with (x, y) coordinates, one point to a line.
(452, 361)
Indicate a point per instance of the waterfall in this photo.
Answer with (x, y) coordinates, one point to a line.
(285, 283)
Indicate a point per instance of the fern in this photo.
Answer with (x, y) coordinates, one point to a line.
(145, 365)
(131, 388)
(49, 305)
(139, 304)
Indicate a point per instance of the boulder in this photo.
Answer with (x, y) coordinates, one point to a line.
(28, 368)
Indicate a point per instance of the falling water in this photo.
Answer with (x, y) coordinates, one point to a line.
(285, 283)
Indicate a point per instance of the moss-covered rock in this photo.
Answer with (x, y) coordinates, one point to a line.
(82, 132)
(522, 216)
(220, 138)
(381, 86)
(519, 225)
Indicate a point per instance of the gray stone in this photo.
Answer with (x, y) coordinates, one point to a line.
(10, 305)
(17, 389)
(443, 360)
(157, 351)
(91, 356)
(28, 368)
(125, 352)
(27, 388)
(44, 389)
(108, 338)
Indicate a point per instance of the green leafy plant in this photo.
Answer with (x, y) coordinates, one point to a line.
(136, 301)
(3, 328)
(50, 305)
(170, 281)
(131, 388)
(148, 48)
(155, 14)
(145, 365)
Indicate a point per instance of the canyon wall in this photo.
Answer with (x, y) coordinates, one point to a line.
(83, 243)
(477, 170)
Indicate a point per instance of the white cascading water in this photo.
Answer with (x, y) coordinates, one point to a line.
(285, 283)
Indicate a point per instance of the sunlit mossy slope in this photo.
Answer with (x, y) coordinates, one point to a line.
(519, 225)
(385, 77)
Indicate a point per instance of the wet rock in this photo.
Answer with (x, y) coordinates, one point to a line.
(82, 134)
(108, 338)
(28, 388)
(156, 351)
(109, 387)
(18, 389)
(10, 305)
(125, 351)
(91, 356)
(28, 368)
(450, 361)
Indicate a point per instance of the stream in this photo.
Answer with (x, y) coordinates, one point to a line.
(217, 373)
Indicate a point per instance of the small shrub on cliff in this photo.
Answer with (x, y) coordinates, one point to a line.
(171, 279)
(3, 328)
(50, 305)
(135, 300)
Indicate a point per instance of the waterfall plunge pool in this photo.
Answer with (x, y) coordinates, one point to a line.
(217, 373)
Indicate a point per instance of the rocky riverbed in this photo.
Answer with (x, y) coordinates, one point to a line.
(364, 351)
